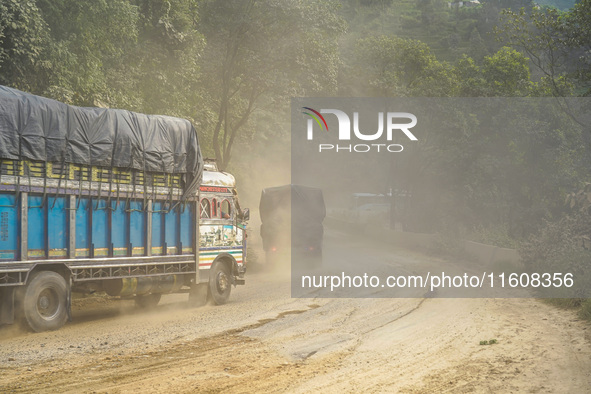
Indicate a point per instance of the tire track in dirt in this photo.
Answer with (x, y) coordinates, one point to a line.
(211, 358)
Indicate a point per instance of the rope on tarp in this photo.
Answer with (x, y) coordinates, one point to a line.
(59, 183)
(127, 201)
(44, 197)
(15, 205)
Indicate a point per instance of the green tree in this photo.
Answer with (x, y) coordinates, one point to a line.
(558, 45)
(90, 42)
(24, 38)
(477, 48)
(393, 66)
(135, 54)
(433, 14)
(538, 35)
(470, 78)
(577, 29)
(507, 73)
(261, 52)
(165, 61)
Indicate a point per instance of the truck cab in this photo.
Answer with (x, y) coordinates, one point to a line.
(222, 232)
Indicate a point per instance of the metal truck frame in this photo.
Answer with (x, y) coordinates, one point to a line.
(96, 199)
(73, 228)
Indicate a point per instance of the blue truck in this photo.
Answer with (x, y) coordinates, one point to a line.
(104, 200)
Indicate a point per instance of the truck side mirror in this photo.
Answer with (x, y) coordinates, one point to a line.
(245, 214)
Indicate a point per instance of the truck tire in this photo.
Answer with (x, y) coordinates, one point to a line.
(44, 302)
(148, 301)
(220, 284)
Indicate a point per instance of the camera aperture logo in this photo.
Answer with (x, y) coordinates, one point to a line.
(395, 122)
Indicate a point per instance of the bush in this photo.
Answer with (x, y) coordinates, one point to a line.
(585, 312)
(559, 246)
(563, 246)
(497, 235)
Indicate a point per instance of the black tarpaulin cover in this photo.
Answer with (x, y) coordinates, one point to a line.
(41, 129)
(307, 202)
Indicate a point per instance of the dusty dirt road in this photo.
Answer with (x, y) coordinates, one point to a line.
(265, 341)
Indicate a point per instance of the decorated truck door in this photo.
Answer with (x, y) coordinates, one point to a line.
(221, 222)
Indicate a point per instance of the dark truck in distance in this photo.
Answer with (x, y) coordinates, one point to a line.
(292, 217)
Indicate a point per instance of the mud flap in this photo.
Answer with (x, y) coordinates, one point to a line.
(238, 275)
(7, 305)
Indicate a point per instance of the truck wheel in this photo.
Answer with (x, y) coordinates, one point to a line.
(220, 284)
(45, 301)
(148, 301)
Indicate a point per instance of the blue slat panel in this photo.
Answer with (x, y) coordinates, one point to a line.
(82, 239)
(99, 227)
(9, 227)
(36, 230)
(137, 223)
(186, 227)
(156, 228)
(58, 227)
(171, 230)
(119, 225)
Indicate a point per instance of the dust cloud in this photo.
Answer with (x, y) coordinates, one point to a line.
(268, 167)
